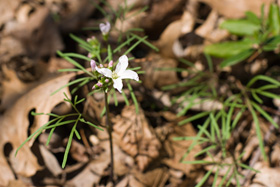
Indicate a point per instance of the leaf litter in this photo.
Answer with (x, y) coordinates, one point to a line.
(145, 151)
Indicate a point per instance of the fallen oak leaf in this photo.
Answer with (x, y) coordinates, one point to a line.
(15, 124)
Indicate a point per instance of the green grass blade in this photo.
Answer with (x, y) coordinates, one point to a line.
(203, 180)
(265, 114)
(195, 117)
(258, 132)
(91, 124)
(145, 42)
(68, 146)
(263, 78)
(133, 97)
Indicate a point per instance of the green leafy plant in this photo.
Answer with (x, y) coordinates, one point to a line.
(220, 121)
(258, 35)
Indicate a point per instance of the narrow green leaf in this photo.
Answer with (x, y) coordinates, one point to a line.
(240, 27)
(253, 18)
(248, 167)
(67, 149)
(225, 177)
(265, 114)
(133, 97)
(258, 132)
(236, 119)
(123, 44)
(77, 134)
(198, 162)
(125, 99)
(145, 42)
(195, 142)
(73, 62)
(256, 97)
(203, 180)
(228, 49)
(69, 70)
(268, 86)
(215, 125)
(268, 94)
(135, 44)
(271, 43)
(274, 19)
(195, 117)
(69, 84)
(263, 78)
(79, 40)
(50, 135)
(205, 150)
(214, 184)
(77, 56)
(237, 58)
(91, 124)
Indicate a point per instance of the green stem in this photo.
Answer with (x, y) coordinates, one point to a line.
(110, 129)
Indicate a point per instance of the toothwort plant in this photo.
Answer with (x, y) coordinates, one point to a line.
(104, 75)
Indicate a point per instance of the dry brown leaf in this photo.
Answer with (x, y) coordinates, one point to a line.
(95, 170)
(15, 126)
(236, 8)
(155, 78)
(136, 137)
(268, 177)
(176, 149)
(50, 161)
(210, 28)
(13, 88)
(173, 32)
(154, 178)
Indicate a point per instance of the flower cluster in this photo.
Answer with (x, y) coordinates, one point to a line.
(114, 76)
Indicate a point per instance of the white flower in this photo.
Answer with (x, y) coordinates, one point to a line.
(105, 28)
(120, 73)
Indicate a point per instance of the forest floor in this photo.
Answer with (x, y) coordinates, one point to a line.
(146, 152)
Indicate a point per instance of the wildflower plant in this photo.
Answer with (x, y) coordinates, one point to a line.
(106, 76)
(217, 125)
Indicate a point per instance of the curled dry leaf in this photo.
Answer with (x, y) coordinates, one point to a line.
(15, 127)
(173, 32)
(136, 137)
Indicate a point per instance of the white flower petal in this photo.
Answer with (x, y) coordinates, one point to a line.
(104, 71)
(129, 74)
(122, 65)
(118, 84)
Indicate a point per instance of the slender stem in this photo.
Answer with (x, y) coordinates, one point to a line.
(110, 129)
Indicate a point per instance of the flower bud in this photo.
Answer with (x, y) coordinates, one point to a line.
(93, 65)
(105, 28)
(111, 64)
(99, 84)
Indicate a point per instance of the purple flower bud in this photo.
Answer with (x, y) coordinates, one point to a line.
(111, 64)
(89, 55)
(105, 28)
(93, 65)
(99, 84)
(107, 80)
